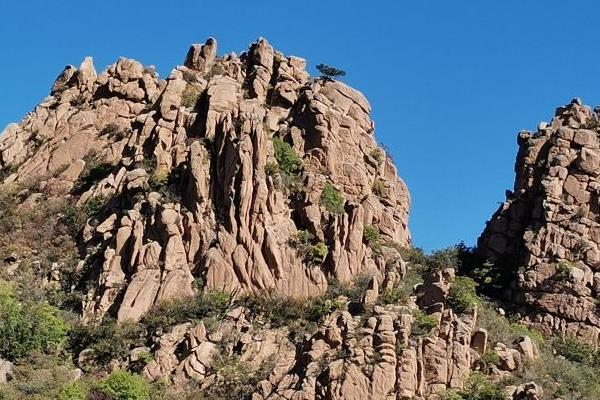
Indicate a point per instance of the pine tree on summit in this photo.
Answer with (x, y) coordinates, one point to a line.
(330, 73)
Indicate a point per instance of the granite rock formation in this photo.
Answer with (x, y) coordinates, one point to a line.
(379, 355)
(189, 186)
(242, 175)
(548, 230)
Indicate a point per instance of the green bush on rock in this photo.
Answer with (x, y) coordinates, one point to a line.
(463, 297)
(372, 237)
(332, 199)
(287, 160)
(72, 391)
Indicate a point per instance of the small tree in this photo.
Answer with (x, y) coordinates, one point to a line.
(329, 72)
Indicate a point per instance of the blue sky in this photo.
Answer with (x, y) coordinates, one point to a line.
(450, 82)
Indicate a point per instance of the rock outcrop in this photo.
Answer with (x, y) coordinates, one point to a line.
(189, 183)
(548, 230)
(385, 352)
(243, 177)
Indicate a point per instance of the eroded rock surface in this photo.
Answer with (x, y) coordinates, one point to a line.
(242, 175)
(548, 229)
(189, 189)
(381, 353)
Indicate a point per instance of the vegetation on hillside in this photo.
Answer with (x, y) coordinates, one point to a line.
(41, 335)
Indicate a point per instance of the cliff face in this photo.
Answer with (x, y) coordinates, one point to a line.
(191, 183)
(548, 229)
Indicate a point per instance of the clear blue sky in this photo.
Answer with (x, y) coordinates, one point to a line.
(450, 82)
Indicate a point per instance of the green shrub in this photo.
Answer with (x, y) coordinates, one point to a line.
(478, 387)
(122, 385)
(332, 199)
(372, 237)
(279, 311)
(72, 391)
(500, 329)
(215, 303)
(93, 206)
(402, 292)
(148, 163)
(74, 218)
(302, 241)
(563, 379)
(170, 312)
(311, 253)
(11, 219)
(166, 184)
(158, 182)
(27, 327)
(321, 307)
(304, 237)
(288, 161)
(108, 340)
(300, 316)
(413, 255)
(574, 350)
(329, 73)
(423, 323)
(487, 274)
(489, 359)
(37, 377)
(463, 297)
(354, 291)
(378, 187)
(146, 357)
(190, 96)
(318, 253)
(393, 296)
(518, 330)
(563, 271)
(7, 171)
(211, 304)
(451, 394)
(445, 258)
(236, 379)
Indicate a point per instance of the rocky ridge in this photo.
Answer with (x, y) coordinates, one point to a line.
(547, 230)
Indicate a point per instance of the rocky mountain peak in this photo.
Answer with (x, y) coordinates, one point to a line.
(242, 173)
(235, 231)
(546, 233)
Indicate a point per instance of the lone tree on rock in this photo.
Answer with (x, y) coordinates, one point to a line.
(330, 73)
